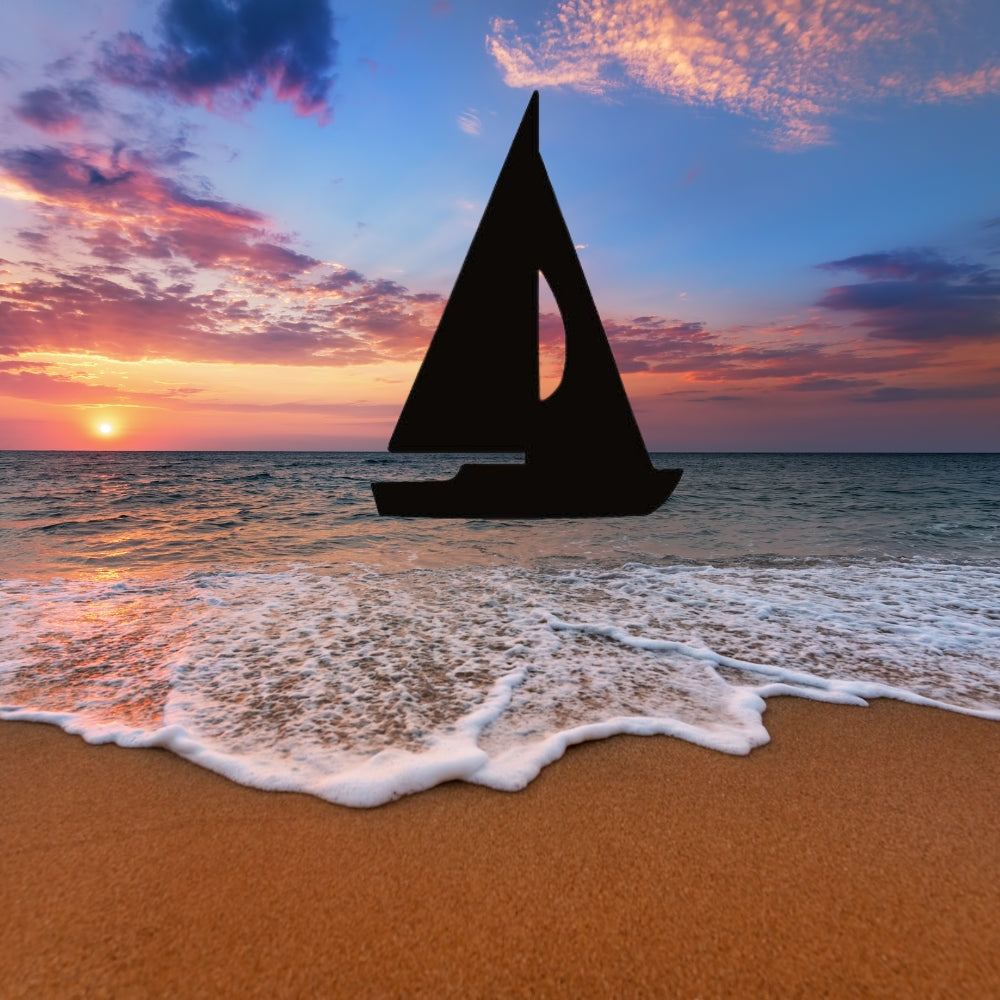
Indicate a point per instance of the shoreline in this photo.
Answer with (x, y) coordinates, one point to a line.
(858, 853)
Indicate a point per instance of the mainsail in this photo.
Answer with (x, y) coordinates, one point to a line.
(478, 387)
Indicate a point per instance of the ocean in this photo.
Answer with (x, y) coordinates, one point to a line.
(253, 613)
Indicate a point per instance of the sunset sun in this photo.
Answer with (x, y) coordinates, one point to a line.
(105, 429)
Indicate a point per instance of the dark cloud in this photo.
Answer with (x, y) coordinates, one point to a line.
(32, 238)
(918, 296)
(823, 383)
(221, 53)
(339, 281)
(51, 172)
(905, 394)
(56, 111)
(916, 265)
(715, 399)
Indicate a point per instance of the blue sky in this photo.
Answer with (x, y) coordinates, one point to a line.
(234, 224)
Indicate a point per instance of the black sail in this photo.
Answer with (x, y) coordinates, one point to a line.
(588, 416)
(477, 389)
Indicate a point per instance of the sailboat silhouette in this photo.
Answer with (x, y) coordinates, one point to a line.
(478, 387)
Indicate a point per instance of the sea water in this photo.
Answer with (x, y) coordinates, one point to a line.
(254, 614)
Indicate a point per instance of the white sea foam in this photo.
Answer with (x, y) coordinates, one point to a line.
(360, 685)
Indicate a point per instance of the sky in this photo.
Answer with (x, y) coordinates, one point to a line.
(233, 224)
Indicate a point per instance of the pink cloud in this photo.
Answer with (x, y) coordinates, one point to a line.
(171, 274)
(91, 313)
(122, 211)
(979, 83)
(791, 64)
(655, 346)
(26, 383)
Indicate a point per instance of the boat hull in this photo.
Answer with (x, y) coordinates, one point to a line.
(518, 491)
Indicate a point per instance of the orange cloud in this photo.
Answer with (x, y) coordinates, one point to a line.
(791, 62)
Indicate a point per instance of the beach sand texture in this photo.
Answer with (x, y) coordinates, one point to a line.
(856, 855)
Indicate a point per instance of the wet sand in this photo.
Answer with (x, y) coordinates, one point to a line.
(858, 854)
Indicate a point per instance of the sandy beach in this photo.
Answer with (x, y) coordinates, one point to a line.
(858, 854)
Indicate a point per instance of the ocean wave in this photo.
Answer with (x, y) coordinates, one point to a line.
(360, 685)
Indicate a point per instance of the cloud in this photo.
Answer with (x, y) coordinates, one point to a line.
(224, 54)
(56, 111)
(135, 318)
(33, 381)
(33, 239)
(824, 383)
(716, 399)
(470, 122)
(792, 64)
(123, 211)
(905, 394)
(920, 265)
(785, 355)
(979, 83)
(919, 296)
(139, 265)
(651, 344)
